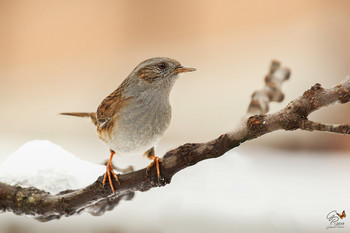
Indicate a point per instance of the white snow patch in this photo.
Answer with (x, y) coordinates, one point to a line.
(47, 166)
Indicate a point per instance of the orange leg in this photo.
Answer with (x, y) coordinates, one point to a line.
(156, 161)
(109, 170)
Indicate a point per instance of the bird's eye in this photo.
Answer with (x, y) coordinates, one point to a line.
(162, 66)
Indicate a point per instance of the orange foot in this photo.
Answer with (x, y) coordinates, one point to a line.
(109, 170)
(156, 161)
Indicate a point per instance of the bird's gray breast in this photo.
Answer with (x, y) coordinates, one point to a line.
(141, 124)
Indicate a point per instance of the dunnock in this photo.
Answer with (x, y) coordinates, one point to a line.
(133, 118)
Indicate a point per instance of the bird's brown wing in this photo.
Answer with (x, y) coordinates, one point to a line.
(106, 110)
(110, 107)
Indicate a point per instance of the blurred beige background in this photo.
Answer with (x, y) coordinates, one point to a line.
(68, 55)
(60, 55)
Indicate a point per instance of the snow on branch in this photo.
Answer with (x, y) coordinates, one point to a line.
(96, 198)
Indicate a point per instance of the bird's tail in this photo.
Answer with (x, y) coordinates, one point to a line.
(91, 115)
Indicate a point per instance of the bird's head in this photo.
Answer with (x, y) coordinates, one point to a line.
(159, 71)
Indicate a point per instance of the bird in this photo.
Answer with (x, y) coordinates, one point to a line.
(134, 117)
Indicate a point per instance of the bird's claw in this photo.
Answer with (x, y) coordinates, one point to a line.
(109, 170)
(156, 161)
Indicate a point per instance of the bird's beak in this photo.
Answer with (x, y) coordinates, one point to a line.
(182, 69)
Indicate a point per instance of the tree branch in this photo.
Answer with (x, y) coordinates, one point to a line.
(271, 92)
(97, 198)
(332, 128)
